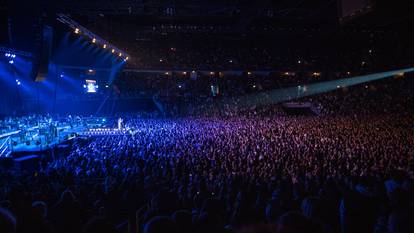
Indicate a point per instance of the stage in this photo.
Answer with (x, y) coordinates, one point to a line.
(42, 142)
(34, 139)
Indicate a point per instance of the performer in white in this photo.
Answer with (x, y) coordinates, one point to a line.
(120, 123)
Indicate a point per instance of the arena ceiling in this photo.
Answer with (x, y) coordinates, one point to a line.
(177, 8)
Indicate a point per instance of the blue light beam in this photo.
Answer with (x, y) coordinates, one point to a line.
(292, 93)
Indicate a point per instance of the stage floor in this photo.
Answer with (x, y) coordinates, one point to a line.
(32, 147)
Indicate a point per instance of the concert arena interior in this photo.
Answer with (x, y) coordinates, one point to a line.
(206, 116)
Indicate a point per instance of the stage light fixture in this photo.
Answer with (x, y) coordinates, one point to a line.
(120, 54)
(11, 62)
(79, 29)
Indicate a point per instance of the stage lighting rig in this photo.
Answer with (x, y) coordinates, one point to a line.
(79, 29)
(13, 53)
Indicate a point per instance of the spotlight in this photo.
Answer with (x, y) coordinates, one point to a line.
(106, 86)
(184, 73)
(13, 55)
(113, 50)
(61, 75)
(11, 61)
(94, 40)
(127, 58)
(211, 73)
(7, 54)
(104, 46)
(120, 54)
(76, 30)
(316, 74)
(18, 83)
(167, 73)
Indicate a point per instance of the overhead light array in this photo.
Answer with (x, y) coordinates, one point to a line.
(95, 39)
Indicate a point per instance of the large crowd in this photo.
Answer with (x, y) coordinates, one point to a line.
(198, 159)
(236, 173)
